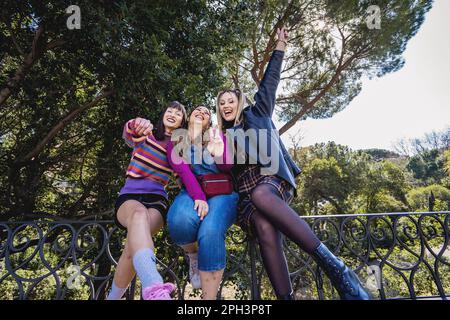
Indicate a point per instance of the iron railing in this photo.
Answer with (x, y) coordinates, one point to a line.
(396, 256)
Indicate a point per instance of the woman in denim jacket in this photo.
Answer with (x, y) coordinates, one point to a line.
(195, 223)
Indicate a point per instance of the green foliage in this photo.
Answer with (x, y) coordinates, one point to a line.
(419, 198)
(330, 49)
(428, 166)
(140, 55)
(338, 180)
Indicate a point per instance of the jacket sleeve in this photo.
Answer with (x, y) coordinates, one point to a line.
(183, 169)
(130, 136)
(266, 95)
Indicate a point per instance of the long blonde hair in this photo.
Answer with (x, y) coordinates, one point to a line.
(241, 103)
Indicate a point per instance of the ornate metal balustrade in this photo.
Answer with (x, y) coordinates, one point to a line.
(396, 256)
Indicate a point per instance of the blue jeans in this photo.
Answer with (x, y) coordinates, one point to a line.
(185, 227)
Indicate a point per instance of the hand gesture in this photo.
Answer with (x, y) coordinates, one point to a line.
(282, 38)
(202, 208)
(215, 145)
(142, 127)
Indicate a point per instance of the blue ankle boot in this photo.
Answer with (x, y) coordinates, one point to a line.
(342, 278)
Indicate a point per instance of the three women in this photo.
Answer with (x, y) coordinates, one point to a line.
(265, 190)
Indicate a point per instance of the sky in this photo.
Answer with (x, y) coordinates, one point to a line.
(416, 98)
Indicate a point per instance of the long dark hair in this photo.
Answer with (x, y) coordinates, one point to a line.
(160, 130)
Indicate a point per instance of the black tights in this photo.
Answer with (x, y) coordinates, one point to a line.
(273, 216)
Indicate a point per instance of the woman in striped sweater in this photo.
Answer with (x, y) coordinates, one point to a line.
(142, 204)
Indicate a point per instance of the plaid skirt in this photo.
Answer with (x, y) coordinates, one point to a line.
(247, 180)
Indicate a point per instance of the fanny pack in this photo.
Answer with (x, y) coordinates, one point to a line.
(215, 184)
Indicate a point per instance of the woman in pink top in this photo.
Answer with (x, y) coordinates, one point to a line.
(196, 223)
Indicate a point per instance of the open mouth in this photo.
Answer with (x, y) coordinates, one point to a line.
(199, 116)
(228, 113)
(170, 120)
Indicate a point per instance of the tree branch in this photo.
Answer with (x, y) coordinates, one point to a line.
(38, 48)
(310, 105)
(61, 124)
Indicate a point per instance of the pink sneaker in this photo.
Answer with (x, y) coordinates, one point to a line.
(159, 291)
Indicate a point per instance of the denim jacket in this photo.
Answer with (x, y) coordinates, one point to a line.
(259, 116)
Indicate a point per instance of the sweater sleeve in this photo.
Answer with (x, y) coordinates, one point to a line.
(130, 136)
(188, 178)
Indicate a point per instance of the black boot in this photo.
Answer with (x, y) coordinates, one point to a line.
(343, 278)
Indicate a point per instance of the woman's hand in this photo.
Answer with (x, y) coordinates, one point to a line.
(142, 127)
(282, 35)
(215, 145)
(202, 208)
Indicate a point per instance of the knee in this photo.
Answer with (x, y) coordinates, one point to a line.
(260, 192)
(182, 229)
(139, 215)
(178, 221)
(265, 232)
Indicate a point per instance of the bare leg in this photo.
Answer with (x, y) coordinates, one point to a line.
(190, 248)
(124, 270)
(153, 222)
(139, 221)
(210, 283)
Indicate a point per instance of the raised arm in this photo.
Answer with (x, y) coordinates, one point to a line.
(266, 96)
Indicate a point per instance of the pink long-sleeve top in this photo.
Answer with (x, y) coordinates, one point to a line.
(183, 169)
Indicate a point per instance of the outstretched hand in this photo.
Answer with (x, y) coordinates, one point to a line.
(142, 127)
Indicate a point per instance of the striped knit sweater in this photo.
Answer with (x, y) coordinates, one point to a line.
(149, 170)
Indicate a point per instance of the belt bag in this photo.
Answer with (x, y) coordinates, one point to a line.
(215, 184)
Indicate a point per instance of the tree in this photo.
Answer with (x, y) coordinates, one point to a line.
(331, 173)
(331, 49)
(427, 166)
(384, 188)
(439, 140)
(338, 180)
(419, 198)
(65, 94)
(381, 154)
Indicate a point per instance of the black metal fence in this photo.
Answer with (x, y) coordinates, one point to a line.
(396, 256)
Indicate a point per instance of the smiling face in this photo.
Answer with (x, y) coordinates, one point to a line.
(172, 119)
(200, 116)
(228, 105)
